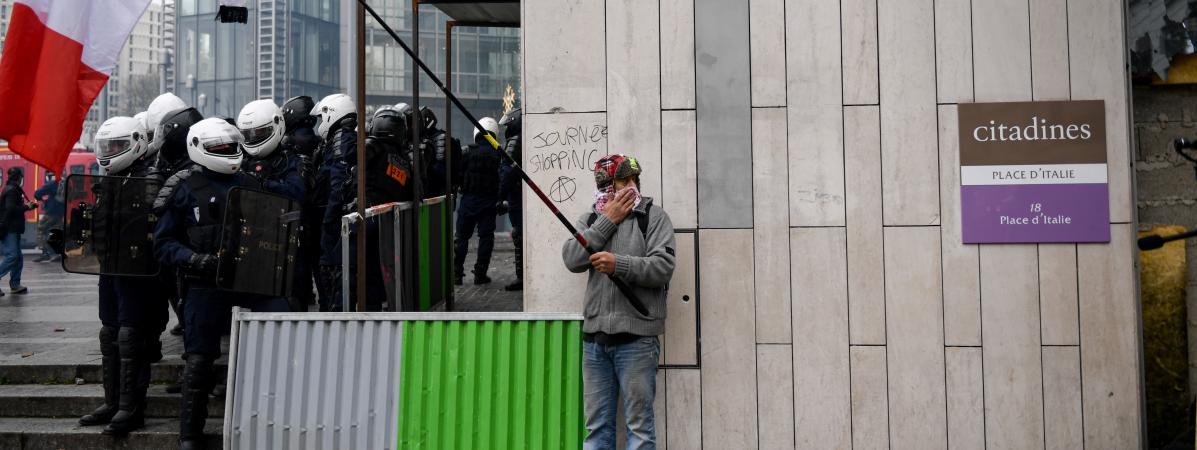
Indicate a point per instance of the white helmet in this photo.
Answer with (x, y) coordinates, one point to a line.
(162, 107)
(490, 124)
(261, 123)
(141, 119)
(215, 144)
(119, 142)
(331, 110)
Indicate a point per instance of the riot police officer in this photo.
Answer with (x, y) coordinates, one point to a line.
(435, 178)
(388, 179)
(299, 136)
(336, 123)
(510, 192)
(164, 162)
(188, 237)
(132, 315)
(261, 124)
(160, 109)
(479, 198)
(300, 142)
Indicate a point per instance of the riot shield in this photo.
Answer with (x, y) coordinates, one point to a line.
(109, 225)
(259, 243)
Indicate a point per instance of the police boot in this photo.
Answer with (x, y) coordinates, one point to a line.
(111, 363)
(134, 382)
(197, 383)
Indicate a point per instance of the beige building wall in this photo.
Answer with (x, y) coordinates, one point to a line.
(807, 152)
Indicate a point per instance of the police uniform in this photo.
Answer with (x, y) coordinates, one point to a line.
(187, 236)
(132, 310)
(477, 208)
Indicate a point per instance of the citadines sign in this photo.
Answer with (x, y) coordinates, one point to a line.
(1034, 172)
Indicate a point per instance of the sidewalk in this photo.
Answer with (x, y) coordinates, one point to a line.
(56, 323)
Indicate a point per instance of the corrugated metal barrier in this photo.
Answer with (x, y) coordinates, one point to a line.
(405, 381)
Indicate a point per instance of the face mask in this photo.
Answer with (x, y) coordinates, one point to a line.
(602, 196)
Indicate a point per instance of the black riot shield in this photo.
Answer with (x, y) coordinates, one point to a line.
(259, 243)
(110, 225)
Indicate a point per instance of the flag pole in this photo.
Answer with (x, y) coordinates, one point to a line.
(620, 284)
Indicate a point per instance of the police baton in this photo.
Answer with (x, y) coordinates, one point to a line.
(623, 287)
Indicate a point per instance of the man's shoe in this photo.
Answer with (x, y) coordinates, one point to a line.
(481, 279)
(42, 259)
(18, 289)
(177, 330)
(56, 258)
(518, 285)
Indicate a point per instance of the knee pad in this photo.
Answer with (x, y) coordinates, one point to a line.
(108, 340)
(131, 343)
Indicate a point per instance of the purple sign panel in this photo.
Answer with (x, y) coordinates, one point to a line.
(1033, 172)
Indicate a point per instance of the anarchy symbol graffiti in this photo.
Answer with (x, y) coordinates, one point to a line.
(563, 189)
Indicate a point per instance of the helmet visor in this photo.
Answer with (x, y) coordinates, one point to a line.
(110, 148)
(223, 149)
(255, 136)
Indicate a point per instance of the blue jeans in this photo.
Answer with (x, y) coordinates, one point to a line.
(611, 371)
(13, 260)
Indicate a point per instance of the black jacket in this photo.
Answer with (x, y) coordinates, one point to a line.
(12, 200)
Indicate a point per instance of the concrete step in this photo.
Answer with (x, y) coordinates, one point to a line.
(167, 371)
(71, 401)
(57, 434)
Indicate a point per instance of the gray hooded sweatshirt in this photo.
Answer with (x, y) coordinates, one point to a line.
(644, 261)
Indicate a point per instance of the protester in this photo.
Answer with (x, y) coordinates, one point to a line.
(51, 195)
(15, 203)
(633, 241)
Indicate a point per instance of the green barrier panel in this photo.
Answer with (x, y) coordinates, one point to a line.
(491, 385)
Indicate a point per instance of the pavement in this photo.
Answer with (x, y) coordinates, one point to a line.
(56, 323)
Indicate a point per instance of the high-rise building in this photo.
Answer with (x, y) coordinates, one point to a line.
(5, 15)
(485, 62)
(306, 47)
(288, 48)
(137, 77)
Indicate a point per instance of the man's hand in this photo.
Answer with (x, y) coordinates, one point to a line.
(618, 208)
(604, 262)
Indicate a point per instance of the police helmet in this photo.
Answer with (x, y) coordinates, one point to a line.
(119, 142)
(216, 145)
(162, 107)
(297, 113)
(331, 110)
(261, 124)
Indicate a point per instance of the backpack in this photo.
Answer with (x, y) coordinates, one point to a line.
(641, 220)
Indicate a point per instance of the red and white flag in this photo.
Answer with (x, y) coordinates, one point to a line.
(57, 56)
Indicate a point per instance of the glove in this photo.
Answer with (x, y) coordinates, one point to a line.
(201, 262)
(55, 240)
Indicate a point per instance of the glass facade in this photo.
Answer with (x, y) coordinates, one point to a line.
(295, 48)
(221, 67)
(486, 62)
